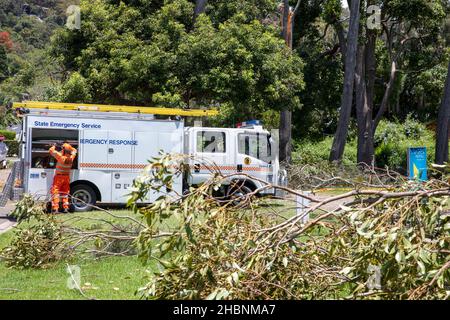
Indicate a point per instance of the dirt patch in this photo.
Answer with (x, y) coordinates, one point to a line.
(322, 196)
(332, 205)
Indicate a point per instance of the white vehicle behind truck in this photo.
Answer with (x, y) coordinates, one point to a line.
(3, 154)
(114, 147)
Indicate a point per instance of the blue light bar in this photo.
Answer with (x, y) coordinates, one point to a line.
(249, 123)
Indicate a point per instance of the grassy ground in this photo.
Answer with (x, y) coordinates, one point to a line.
(107, 278)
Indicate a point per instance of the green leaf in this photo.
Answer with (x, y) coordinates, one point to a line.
(400, 256)
(285, 262)
(235, 277)
(422, 267)
(212, 295)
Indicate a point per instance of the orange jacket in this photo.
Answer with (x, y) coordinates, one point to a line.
(64, 163)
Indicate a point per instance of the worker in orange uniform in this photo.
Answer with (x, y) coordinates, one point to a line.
(61, 180)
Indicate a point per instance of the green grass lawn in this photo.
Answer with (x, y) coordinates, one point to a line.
(106, 278)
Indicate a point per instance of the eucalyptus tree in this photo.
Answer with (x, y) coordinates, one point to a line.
(398, 39)
(288, 19)
(442, 130)
(408, 37)
(134, 53)
(340, 137)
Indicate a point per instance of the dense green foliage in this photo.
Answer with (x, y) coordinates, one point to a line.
(124, 54)
(232, 57)
(26, 71)
(9, 135)
(392, 140)
(38, 245)
(11, 142)
(13, 147)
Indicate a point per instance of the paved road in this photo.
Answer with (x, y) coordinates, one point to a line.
(4, 173)
(5, 223)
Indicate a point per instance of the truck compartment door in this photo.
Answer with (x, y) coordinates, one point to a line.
(39, 182)
(94, 149)
(120, 150)
(149, 144)
(146, 148)
(120, 184)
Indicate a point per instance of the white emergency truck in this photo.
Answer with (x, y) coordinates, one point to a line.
(114, 146)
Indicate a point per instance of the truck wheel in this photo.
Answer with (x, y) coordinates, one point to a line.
(237, 194)
(83, 198)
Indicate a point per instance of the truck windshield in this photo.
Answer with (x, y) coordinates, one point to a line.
(256, 145)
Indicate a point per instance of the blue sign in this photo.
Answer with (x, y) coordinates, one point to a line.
(417, 164)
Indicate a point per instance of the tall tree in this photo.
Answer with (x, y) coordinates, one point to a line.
(340, 137)
(409, 34)
(288, 19)
(442, 130)
(154, 56)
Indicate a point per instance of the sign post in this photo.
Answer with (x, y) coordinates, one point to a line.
(417, 164)
(302, 207)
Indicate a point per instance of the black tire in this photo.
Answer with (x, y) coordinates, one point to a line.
(83, 198)
(237, 194)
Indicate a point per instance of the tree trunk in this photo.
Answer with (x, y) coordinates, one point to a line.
(337, 150)
(200, 6)
(285, 136)
(365, 83)
(370, 68)
(387, 95)
(286, 114)
(365, 154)
(442, 125)
(342, 39)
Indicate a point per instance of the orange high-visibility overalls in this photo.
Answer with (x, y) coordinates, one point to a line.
(61, 180)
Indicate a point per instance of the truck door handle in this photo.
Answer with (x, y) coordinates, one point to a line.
(110, 150)
(239, 168)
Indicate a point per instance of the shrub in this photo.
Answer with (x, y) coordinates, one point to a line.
(9, 135)
(311, 152)
(392, 139)
(13, 147)
(37, 245)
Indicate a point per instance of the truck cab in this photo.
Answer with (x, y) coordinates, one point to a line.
(247, 149)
